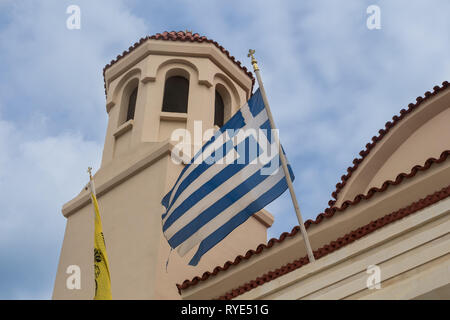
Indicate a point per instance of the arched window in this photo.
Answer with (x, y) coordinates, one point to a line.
(176, 91)
(219, 110)
(132, 104)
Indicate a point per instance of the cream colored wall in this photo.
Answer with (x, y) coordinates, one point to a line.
(77, 250)
(413, 255)
(131, 217)
(137, 251)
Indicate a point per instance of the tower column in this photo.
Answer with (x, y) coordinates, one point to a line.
(137, 169)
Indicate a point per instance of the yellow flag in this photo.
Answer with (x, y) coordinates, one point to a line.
(101, 264)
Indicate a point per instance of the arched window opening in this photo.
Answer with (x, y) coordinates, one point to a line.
(176, 91)
(132, 104)
(219, 110)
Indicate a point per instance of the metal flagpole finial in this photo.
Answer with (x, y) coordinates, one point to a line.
(89, 170)
(251, 53)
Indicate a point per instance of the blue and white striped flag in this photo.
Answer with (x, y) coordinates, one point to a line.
(234, 175)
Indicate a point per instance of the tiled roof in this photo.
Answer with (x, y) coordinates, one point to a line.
(381, 133)
(341, 242)
(327, 214)
(179, 36)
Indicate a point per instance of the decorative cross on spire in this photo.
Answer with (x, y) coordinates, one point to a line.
(251, 53)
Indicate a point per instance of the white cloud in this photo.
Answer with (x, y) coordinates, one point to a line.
(36, 178)
(59, 71)
(52, 125)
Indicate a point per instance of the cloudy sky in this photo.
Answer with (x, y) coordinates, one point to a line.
(331, 81)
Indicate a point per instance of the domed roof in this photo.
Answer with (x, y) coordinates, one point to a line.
(180, 36)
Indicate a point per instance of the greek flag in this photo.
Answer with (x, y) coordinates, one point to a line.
(234, 175)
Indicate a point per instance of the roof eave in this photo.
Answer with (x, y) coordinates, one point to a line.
(182, 37)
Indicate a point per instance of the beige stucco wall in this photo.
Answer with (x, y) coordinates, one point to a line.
(413, 255)
(137, 251)
(127, 220)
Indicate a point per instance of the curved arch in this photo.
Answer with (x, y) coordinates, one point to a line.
(177, 72)
(130, 88)
(226, 102)
(172, 68)
(231, 88)
(133, 73)
(178, 61)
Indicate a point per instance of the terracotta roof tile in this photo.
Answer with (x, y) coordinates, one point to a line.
(381, 133)
(341, 242)
(179, 36)
(327, 214)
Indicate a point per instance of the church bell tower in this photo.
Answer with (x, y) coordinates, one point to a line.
(164, 82)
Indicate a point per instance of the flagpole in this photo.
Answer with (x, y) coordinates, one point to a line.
(283, 157)
(91, 182)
